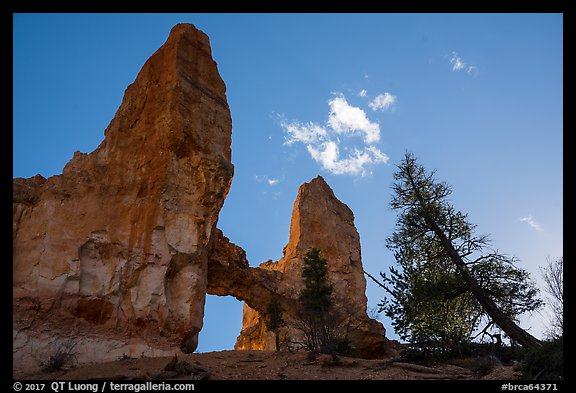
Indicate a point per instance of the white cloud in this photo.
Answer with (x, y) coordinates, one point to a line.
(303, 132)
(530, 221)
(345, 118)
(328, 156)
(328, 144)
(457, 62)
(472, 70)
(382, 102)
(266, 179)
(363, 93)
(377, 155)
(458, 65)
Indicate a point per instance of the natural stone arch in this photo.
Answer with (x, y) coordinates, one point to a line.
(319, 220)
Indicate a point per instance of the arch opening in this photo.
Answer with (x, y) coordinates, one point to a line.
(222, 323)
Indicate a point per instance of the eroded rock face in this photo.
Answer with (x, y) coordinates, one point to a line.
(117, 253)
(319, 220)
(115, 249)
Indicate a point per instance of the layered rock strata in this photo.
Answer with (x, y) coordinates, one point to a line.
(114, 251)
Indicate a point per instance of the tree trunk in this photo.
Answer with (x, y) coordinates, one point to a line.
(505, 323)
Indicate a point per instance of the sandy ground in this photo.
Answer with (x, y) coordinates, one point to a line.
(269, 365)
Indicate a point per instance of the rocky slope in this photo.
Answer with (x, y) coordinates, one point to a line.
(113, 252)
(283, 365)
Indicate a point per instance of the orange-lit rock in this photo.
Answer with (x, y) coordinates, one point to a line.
(117, 253)
(319, 220)
(113, 252)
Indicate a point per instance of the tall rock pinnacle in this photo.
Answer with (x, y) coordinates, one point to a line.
(113, 252)
(320, 220)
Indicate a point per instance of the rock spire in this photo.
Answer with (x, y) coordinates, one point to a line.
(113, 252)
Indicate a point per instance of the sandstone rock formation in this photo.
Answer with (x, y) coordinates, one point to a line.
(118, 252)
(229, 274)
(319, 220)
(114, 251)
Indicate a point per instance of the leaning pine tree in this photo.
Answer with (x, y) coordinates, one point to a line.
(446, 281)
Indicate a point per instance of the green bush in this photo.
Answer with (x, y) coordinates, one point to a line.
(344, 347)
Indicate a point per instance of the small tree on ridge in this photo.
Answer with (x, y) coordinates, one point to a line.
(325, 329)
(274, 320)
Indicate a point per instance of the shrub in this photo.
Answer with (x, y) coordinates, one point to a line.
(545, 362)
(65, 355)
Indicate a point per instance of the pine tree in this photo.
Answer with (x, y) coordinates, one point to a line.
(446, 281)
(316, 292)
(274, 320)
(318, 320)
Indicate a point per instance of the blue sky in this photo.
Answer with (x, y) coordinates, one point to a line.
(478, 97)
